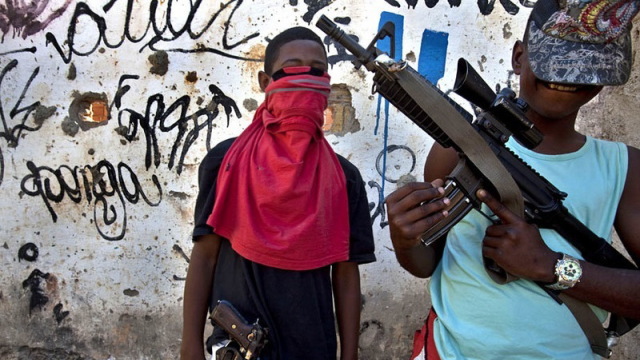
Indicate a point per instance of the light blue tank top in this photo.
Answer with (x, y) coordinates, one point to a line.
(479, 319)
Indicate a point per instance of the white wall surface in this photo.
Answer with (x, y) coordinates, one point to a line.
(96, 217)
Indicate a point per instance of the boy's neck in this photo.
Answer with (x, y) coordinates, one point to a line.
(560, 135)
(561, 144)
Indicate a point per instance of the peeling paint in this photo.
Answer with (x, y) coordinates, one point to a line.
(406, 179)
(72, 72)
(131, 292)
(251, 68)
(89, 110)
(42, 113)
(191, 77)
(250, 104)
(506, 31)
(178, 194)
(159, 63)
(340, 116)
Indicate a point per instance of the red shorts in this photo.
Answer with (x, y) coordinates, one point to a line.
(423, 340)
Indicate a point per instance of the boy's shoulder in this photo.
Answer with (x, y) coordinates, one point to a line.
(350, 170)
(610, 145)
(216, 154)
(221, 148)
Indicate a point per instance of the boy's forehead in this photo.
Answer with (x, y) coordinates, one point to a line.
(301, 46)
(300, 49)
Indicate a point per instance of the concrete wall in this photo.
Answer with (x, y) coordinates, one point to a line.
(107, 108)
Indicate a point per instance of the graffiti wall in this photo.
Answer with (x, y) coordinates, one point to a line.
(107, 108)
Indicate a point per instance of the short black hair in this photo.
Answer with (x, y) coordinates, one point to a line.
(287, 36)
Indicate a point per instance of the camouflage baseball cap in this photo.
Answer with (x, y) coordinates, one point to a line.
(581, 41)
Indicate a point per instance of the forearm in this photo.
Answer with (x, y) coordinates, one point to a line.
(615, 290)
(196, 302)
(346, 289)
(419, 260)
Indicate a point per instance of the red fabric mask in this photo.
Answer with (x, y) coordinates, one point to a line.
(281, 197)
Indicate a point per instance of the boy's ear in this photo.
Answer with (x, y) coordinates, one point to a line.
(264, 80)
(517, 56)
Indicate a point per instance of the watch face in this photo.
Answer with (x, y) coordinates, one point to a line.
(569, 270)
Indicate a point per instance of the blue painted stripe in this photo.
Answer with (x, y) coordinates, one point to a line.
(433, 55)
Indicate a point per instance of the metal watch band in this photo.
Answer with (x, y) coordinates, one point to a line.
(568, 272)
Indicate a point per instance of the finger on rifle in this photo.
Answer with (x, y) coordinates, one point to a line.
(498, 231)
(413, 194)
(491, 242)
(407, 189)
(425, 214)
(429, 220)
(437, 183)
(498, 208)
(490, 251)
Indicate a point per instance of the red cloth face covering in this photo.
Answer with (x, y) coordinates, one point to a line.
(281, 197)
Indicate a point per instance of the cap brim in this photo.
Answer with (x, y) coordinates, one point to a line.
(568, 62)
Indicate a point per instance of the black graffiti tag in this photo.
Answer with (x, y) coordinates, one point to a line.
(104, 185)
(158, 29)
(379, 206)
(40, 284)
(486, 7)
(184, 255)
(59, 313)
(158, 117)
(401, 161)
(13, 124)
(12, 134)
(38, 296)
(23, 16)
(28, 252)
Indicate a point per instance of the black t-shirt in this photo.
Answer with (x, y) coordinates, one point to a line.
(296, 306)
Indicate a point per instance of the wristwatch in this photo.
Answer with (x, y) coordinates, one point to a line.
(568, 272)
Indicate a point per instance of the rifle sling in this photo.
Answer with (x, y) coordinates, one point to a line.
(469, 143)
(590, 324)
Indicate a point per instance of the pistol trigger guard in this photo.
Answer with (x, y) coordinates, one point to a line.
(228, 353)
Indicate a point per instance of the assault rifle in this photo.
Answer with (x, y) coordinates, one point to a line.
(484, 160)
(251, 337)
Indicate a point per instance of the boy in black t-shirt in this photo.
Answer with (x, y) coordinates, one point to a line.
(282, 222)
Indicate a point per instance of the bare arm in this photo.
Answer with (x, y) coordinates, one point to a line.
(411, 212)
(346, 289)
(196, 295)
(440, 162)
(614, 289)
(517, 247)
